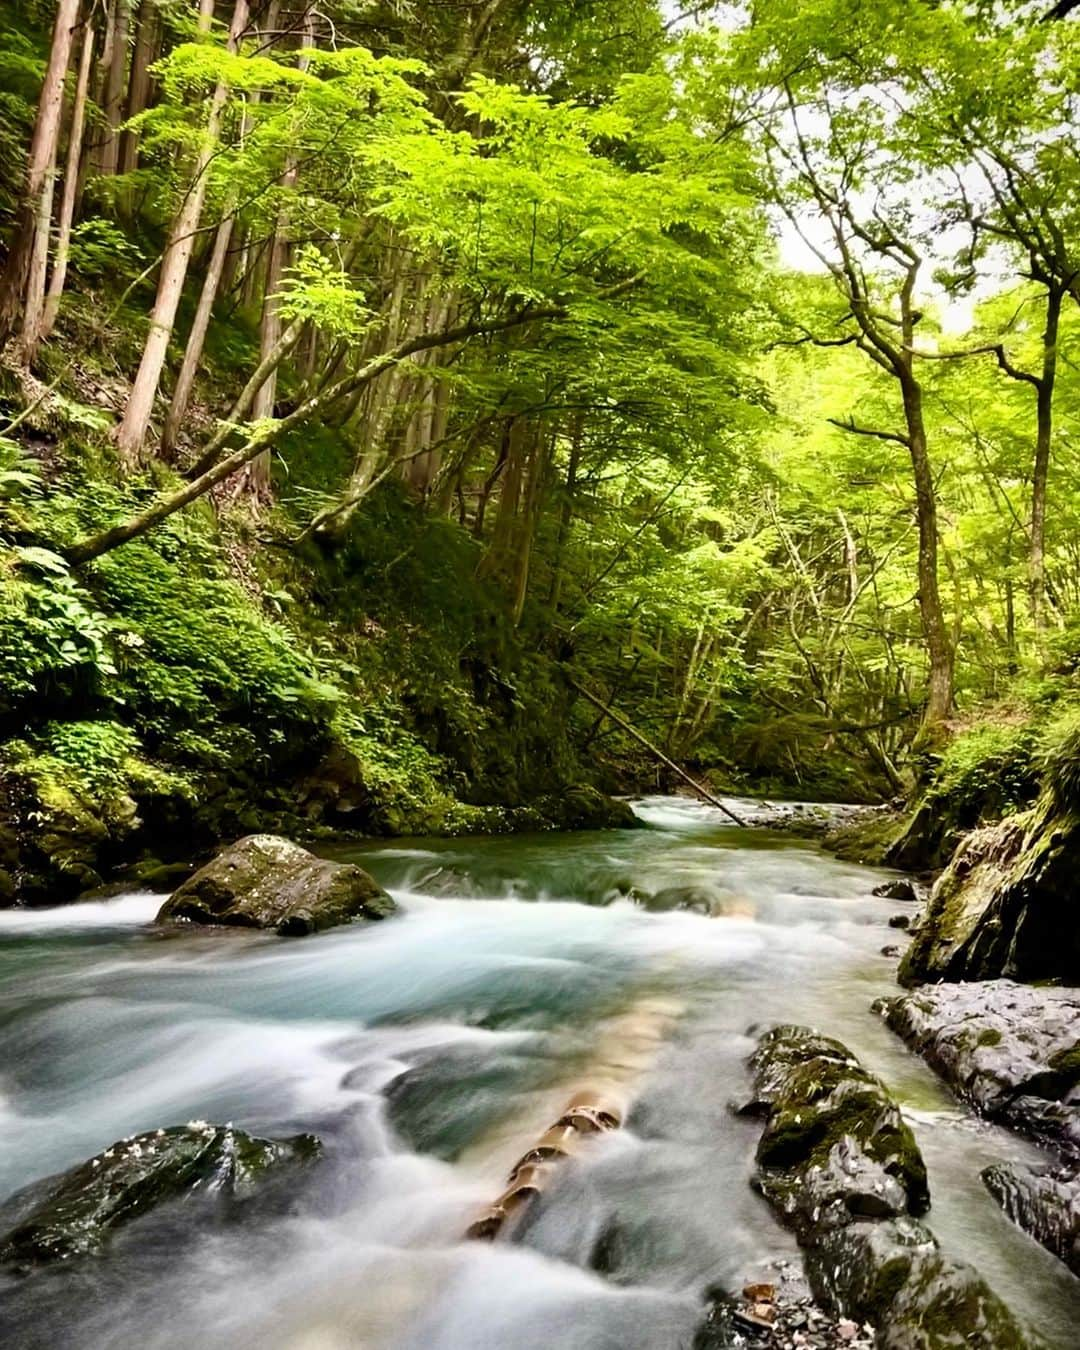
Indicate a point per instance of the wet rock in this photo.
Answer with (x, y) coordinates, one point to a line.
(901, 889)
(264, 881)
(1005, 905)
(893, 1275)
(1044, 1202)
(696, 899)
(890, 951)
(75, 1214)
(1011, 1050)
(900, 921)
(834, 1144)
(586, 808)
(843, 1170)
(784, 1320)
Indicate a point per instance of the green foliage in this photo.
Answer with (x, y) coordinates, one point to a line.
(1060, 758)
(992, 768)
(97, 752)
(54, 642)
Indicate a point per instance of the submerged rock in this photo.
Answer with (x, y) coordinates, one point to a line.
(264, 881)
(75, 1213)
(900, 889)
(1044, 1202)
(843, 1170)
(1011, 1050)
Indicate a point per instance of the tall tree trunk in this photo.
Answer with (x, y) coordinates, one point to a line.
(499, 557)
(1043, 441)
(112, 103)
(36, 196)
(200, 326)
(132, 431)
(939, 701)
(525, 532)
(257, 473)
(67, 202)
(566, 513)
(139, 83)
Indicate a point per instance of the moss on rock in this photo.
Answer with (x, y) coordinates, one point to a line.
(267, 882)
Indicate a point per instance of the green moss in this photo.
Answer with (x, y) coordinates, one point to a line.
(991, 1036)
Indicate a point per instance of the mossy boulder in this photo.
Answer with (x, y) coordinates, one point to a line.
(264, 881)
(893, 1275)
(583, 807)
(834, 1145)
(865, 837)
(75, 1214)
(843, 1169)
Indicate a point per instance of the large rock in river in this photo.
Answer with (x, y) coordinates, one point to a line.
(834, 1146)
(1005, 905)
(1011, 1050)
(1044, 1202)
(264, 881)
(75, 1214)
(843, 1169)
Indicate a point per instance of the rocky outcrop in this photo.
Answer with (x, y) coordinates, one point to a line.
(267, 882)
(76, 1213)
(1044, 1202)
(1004, 905)
(842, 1168)
(1011, 1050)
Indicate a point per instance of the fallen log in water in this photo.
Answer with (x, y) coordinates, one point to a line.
(584, 1115)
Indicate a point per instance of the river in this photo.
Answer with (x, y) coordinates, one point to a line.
(428, 1051)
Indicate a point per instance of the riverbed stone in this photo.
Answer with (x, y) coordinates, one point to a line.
(894, 1275)
(75, 1213)
(1044, 1202)
(843, 1170)
(1011, 1050)
(900, 889)
(834, 1144)
(264, 881)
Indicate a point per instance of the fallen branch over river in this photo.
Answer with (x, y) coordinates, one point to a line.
(621, 721)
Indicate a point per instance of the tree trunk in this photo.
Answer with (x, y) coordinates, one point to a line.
(566, 514)
(939, 702)
(525, 532)
(107, 149)
(36, 196)
(200, 325)
(139, 82)
(258, 471)
(1043, 440)
(132, 430)
(498, 559)
(67, 203)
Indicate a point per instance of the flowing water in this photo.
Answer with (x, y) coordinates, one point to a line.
(428, 1052)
